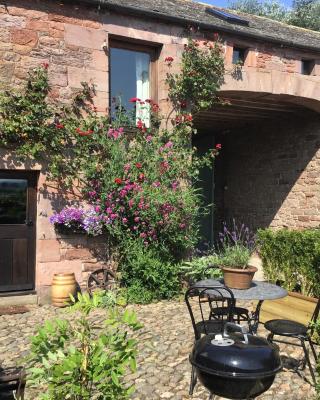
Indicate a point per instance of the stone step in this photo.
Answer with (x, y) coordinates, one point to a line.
(16, 300)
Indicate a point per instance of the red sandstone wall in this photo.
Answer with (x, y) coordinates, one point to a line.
(272, 175)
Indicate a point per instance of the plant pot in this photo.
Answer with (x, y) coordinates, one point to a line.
(238, 278)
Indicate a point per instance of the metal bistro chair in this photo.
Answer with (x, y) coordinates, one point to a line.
(197, 298)
(296, 330)
(240, 314)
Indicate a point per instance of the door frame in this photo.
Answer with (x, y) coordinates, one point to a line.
(31, 222)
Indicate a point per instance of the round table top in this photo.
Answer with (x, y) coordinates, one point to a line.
(258, 290)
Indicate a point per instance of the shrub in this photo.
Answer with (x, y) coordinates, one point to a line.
(292, 257)
(147, 274)
(70, 359)
(201, 268)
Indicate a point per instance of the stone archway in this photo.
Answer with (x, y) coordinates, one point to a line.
(268, 173)
(292, 88)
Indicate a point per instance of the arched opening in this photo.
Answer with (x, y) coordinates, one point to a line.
(268, 171)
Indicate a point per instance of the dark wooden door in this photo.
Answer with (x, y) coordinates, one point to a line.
(17, 230)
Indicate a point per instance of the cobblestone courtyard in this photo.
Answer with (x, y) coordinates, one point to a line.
(164, 345)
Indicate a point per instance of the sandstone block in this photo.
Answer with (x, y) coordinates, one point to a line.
(12, 21)
(48, 250)
(46, 270)
(24, 37)
(84, 37)
(78, 75)
(78, 254)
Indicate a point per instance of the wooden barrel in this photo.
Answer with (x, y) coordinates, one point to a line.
(62, 286)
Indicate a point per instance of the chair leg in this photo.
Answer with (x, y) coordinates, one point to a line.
(306, 354)
(270, 337)
(193, 380)
(312, 349)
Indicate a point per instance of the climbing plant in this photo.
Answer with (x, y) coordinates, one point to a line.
(201, 75)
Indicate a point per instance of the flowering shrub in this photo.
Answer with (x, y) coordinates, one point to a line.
(79, 220)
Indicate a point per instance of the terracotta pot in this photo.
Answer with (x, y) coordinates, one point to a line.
(62, 286)
(238, 278)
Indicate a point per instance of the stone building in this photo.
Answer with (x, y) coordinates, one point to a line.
(268, 173)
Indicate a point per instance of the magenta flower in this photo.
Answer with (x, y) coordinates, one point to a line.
(124, 220)
(168, 145)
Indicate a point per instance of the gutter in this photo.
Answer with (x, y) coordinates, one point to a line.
(183, 21)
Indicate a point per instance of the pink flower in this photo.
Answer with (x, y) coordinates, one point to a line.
(182, 226)
(168, 145)
(156, 184)
(149, 138)
(136, 219)
(218, 146)
(127, 167)
(134, 99)
(174, 185)
(124, 220)
(97, 209)
(143, 235)
(130, 203)
(114, 216)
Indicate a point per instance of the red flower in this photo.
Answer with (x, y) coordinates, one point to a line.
(134, 99)
(138, 165)
(45, 65)
(218, 146)
(155, 107)
(59, 126)
(140, 124)
(168, 59)
(118, 181)
(188, 117)
(84, 133)
(141, 177)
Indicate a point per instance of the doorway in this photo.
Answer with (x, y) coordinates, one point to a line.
(17, 230)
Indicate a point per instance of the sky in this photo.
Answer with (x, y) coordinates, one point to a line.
(224, 3)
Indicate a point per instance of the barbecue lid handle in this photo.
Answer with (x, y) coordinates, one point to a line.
(231, 326)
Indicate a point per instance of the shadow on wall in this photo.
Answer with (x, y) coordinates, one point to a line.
(269, 175)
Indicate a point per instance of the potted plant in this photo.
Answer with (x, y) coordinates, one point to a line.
(235, 249)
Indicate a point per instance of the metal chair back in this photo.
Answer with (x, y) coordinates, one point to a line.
(211, 297)
(314, 317)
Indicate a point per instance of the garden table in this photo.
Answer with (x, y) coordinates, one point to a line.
(258, 291)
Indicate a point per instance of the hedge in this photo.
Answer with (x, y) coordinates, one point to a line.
(291, 258)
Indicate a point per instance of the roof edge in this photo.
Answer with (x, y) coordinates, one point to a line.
(183, 21)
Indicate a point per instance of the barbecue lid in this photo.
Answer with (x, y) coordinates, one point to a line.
(236, 355)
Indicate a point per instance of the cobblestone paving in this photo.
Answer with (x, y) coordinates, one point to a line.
(165, 342)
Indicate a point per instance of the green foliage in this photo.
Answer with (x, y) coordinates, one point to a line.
(73, 359)
(202, 267)
(268, 8)
(292, 257)
(236, 256)
(304, 13)
(148, 273)
(202, 74)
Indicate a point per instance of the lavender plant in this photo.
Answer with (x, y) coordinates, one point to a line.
(235, 246)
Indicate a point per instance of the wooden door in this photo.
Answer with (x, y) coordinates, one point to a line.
(17, 230)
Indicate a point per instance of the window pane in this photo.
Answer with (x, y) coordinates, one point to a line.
(129, 73)
(13, 201)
